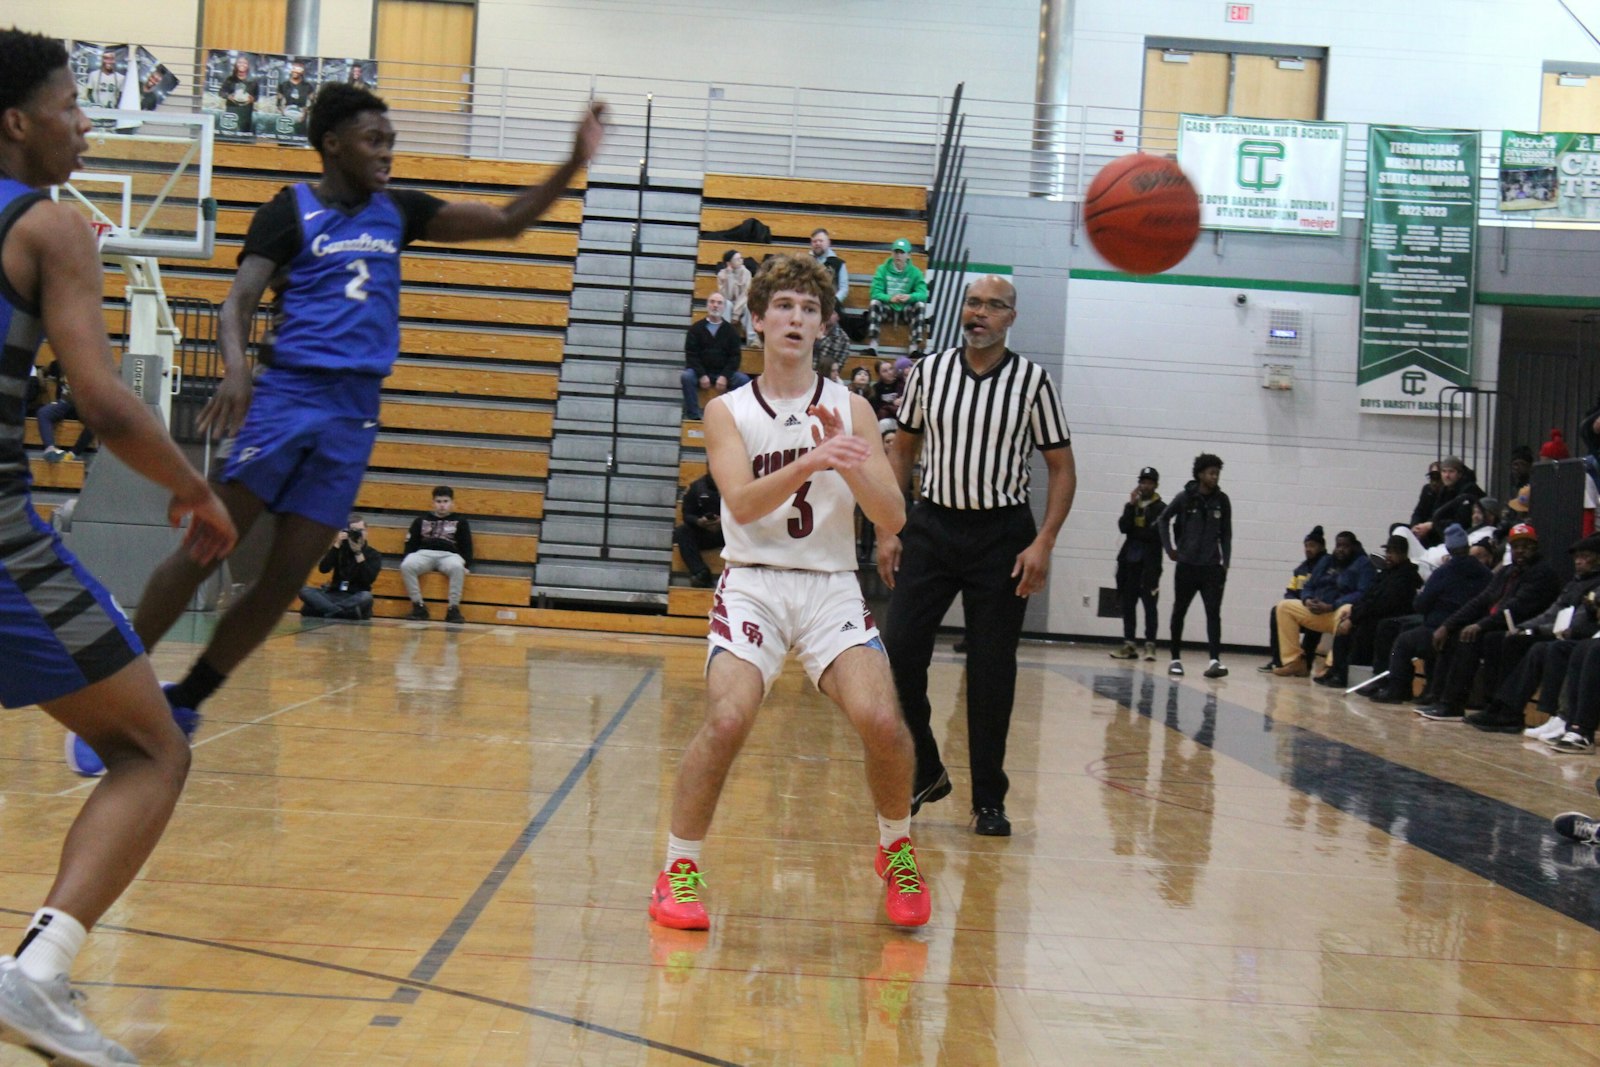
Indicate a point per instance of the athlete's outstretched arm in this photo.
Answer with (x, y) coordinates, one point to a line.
(747, 497)
(475, 221)
(225, 412)
(61, 264)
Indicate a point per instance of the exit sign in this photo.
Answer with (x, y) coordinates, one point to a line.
(1241, 12)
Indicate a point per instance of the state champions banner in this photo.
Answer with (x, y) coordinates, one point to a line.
(1550, 175)
(1265, 175)
(1418, 266)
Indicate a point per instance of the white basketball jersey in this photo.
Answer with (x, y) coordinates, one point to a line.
(815, 530)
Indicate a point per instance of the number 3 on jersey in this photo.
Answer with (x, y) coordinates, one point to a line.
(800, 525)
(355, 289)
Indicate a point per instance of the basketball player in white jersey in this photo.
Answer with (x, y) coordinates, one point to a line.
(793, 454)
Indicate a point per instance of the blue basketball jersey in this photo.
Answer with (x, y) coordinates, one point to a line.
(21, 331)
(341, 305)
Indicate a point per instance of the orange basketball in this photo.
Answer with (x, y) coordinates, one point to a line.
(1141, 213)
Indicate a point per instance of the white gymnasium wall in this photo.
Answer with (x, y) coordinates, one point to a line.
(344, 28)
(1470, 63)
(887, 46)
(152, 24)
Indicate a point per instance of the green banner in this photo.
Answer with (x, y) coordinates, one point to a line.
(1550, 175)
(1420, 250)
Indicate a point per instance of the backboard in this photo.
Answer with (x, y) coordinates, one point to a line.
(147, 177)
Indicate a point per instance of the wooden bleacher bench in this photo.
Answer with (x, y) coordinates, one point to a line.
(812, 192)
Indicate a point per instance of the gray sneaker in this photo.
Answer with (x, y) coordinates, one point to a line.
(1576, 826)
(44, 1017)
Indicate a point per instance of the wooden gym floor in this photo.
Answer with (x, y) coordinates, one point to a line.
(412, 844)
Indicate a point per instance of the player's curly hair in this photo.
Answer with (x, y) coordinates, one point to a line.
(800, 274)
(336, 104)
(26, 60)
(1205, 461)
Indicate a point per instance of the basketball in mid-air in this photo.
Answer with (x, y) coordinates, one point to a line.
(1141, 213)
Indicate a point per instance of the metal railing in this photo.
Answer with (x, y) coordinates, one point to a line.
(698, 127)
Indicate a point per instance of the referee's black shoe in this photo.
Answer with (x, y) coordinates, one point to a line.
(937, 789)
(991, 822)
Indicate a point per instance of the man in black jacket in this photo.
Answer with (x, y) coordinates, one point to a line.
(711, 351)
(1459, 493)
(1391, 593)
(1479, 632)
(1139, 563)
(1556, 639)
(354, 565)
(701, 527)
(1197, 533)
(1454, 583)
(438, 541)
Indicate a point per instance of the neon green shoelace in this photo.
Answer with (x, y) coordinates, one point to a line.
(686, 886)
(903, 869)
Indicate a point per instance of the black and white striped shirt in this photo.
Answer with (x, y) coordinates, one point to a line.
(979, 432)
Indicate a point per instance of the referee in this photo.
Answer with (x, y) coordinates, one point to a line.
(977, 412)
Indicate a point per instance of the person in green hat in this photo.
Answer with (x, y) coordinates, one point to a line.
(899, 294)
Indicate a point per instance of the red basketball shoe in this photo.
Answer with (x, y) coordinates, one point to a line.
(905, 895)
(675, 902)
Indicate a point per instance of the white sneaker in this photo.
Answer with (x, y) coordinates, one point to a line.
(1547, 731)
(44, 1017)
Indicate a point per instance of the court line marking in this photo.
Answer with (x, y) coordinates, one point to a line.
(415, 986)
(439, 954)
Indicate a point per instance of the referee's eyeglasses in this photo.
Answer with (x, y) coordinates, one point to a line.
(972, 303)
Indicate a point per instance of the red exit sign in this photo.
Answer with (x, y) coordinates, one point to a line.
(1241, 12)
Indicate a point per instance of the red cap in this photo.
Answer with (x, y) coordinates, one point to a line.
(1523, 530)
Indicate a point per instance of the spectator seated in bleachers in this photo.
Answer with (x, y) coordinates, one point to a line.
(1447, 590)
(733, 282)
(701, 527)
(353, 565)
(711, 350)
(899, 294)
(1456, 497)
(1315, 546)
(1489, 524)
(1340, 580)
(831, 348)
(1390, 595)
(1556, 633)
(1484, 634)
(885, 394)
(1427, 499)
(438, 541)
(58, 410)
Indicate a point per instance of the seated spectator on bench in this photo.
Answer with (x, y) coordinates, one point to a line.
(1391, 594)
(438, 541)
(831, 348)
(1456, 498)
(60, 409)
(1338, 582)
(1451, 586)
(354, 565)
(899, 294)
(1479, 634)
(701, 527)
(1428, 499)
(733, 282)
(1316, 549)
(711, 350)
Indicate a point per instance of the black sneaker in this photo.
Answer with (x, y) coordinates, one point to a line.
(991, 822)
(1576, 826)
(1496, 721)
(1442, 713)
(419, 612)
(703, 580)
(1216, 670)
(454, 615)
(938, 789)
(1333, 680)
(1175, 668)
(1268, 667)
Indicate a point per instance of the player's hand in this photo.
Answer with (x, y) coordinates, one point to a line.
(211, 535)
(224, 413)
(844, 453)
(832, 424)
(1032, 567)
(888, 557)
(591, 134)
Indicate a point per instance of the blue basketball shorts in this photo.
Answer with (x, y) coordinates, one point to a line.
(61, 629)
(305, 444)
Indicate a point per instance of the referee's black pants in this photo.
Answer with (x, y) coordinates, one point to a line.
(945, 551)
